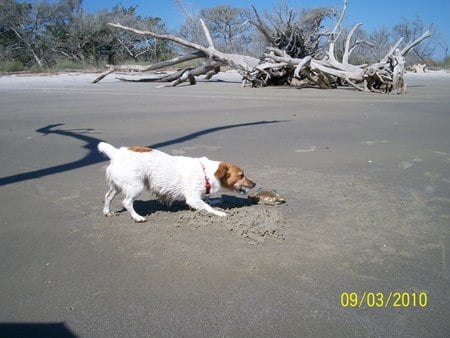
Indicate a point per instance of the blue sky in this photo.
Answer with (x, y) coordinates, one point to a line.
(373, 14)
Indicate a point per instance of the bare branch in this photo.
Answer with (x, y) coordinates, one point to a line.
(412, 44)
(262, 27)
(168, 37)
(207, 34)
(348, 50)
(391, 50)
(337, 27)
(335, 33)
(159, 65)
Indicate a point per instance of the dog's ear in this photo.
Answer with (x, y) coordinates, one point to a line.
(221, 171)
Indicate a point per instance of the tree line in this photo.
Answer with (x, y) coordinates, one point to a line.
(44, 34)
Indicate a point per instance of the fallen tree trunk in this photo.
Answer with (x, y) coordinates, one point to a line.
(208, 69)
(242, 63)
(156, 66)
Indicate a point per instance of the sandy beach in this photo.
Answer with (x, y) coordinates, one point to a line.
(366, 179)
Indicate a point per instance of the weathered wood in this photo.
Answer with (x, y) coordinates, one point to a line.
(419, 68)
(208, 69)
(240, 62)
(349, 49)
(398, 81)
(279, 67)
(156, 66)
(215, 58)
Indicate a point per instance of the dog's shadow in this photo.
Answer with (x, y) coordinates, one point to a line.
(230, 202)
(153, 205)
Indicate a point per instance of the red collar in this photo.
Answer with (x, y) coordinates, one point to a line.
(207, 184)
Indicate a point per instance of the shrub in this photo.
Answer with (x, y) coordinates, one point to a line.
(11, 66)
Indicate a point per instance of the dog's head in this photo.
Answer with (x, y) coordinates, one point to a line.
(232, 177)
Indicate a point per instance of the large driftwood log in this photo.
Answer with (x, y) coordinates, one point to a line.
(156, 66)
(216, 58)
(279, 66)
(209, 69)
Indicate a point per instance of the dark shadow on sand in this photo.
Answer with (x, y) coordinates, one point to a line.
(94, 157)
(225, 202)
(35, 330)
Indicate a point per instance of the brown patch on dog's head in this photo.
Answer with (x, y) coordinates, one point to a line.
(140, 149)
(232, 177)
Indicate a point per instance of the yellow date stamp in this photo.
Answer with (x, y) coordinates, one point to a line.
(384, 299)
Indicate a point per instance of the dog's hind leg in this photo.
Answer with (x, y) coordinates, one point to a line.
(113, 190)
(130, 194)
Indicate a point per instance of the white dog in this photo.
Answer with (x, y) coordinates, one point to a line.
(170, 178)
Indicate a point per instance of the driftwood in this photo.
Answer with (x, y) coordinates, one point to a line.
(281, 66)
(215, 58)
(419, 68)
(156, 66)
(385, 76)
(209, 69)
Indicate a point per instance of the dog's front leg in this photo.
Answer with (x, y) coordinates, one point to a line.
(198, 204)
(128, 204)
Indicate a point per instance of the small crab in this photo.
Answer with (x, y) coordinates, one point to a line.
(266, 197)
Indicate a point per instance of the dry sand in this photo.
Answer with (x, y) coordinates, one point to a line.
(367, 183)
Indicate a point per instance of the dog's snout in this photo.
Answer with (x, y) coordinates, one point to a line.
(250, 184)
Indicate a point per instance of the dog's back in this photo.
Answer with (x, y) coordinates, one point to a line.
(167, 176)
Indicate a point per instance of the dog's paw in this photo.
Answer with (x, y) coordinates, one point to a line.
(108, 213)
(220, 213)
(140, 219)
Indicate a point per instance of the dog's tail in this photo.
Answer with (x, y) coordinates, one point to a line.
(107, 149)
